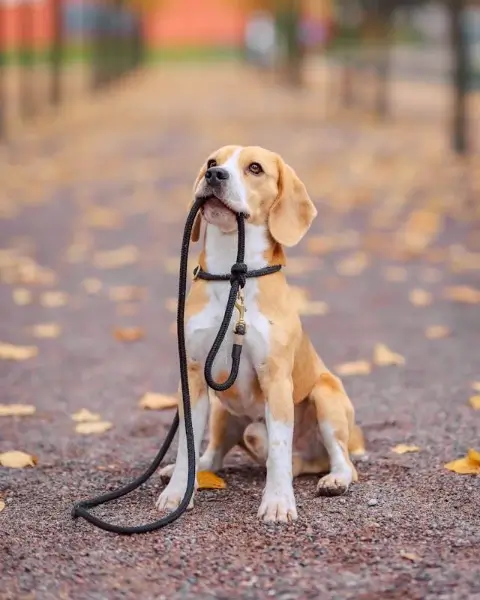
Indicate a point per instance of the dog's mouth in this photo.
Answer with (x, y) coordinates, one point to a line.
(219, 213)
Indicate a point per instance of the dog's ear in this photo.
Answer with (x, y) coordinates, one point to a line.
(198, 219)
(292, 212)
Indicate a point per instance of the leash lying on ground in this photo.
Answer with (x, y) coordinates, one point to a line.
(237, 277)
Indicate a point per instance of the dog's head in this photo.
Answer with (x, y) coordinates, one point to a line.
(259, 184)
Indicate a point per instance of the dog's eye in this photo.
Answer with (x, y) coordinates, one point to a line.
(255, 168)
(211, 163)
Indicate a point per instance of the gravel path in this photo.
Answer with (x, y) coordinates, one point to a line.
(409, 528)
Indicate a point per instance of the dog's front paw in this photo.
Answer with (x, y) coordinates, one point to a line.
(166, 473)
(171, 497)
(278, 507)
(333, 484)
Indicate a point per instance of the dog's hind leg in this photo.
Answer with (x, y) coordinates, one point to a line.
(335, 417)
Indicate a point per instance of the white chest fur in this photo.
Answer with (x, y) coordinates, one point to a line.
(202, 328)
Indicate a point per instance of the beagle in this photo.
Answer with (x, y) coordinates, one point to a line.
(285, 409)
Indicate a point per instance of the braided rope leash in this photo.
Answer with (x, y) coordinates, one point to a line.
(237, 277)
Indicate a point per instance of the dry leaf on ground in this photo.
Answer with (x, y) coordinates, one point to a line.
(128, 334)
(353, 264)
(475, 402)
(395, 274)
(420, 229)
(298, 265)
(113, 259)
(468, 465)
(93, 427)
(103, 217)
(358, 367)
(410, 556)
(419, 297)
(85, 416)
(462, 293)
(46, 330)
(437, 332)
(22, 296)
(15, 459)
(405, 448)
(207, 480)
(476, 386)
(53, 299)
(2, 505)
(92, 285)
(384, 357)
(16, 410)
(314, 307)
(12, 352)
(153, 401)
(126, 293)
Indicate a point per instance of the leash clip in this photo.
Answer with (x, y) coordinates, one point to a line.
(240, 326)
(196, 271)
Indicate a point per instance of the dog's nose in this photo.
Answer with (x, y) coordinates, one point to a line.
(216, 175)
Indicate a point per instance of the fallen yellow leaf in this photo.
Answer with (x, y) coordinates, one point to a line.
(11, 352)
(383, 356)
(359, 367)
(128, 334)
(53, 299)
(15, 459)
(475, 402)
(153, 401)
(353, 264)
(299, 265)
(405, 448)
(420, 229)
(2, 505)
(476, 386)
(22, 296)
(462, 293)
(207, 480)
(126, 293)
(437, 332)
(314, 307)
(92, 285)
(395, 274)
(420, 297)
(46, 330)
(85, 416)
(410, 556)
(103, 217)
(468, 465)
(93, 427)
(113, 259)
(16, 410)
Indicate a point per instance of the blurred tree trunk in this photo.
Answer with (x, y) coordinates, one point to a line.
(460, 75)
(288, 18)
(56, 53)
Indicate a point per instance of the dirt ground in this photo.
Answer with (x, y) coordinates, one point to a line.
(410, 528)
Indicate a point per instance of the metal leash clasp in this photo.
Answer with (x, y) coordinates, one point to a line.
(240, 326)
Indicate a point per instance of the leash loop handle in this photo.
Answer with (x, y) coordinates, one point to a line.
(80, 508)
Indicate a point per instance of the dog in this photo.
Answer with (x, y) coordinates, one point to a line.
(286, 409)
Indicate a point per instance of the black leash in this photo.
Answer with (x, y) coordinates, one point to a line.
(237, 277)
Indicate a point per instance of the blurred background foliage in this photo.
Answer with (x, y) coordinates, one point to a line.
(53, 49)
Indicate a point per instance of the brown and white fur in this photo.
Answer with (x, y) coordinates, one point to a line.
(286, 408)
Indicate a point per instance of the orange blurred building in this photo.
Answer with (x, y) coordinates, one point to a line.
(176, 24)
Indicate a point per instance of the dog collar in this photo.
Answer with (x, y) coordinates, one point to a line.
(239, 272)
